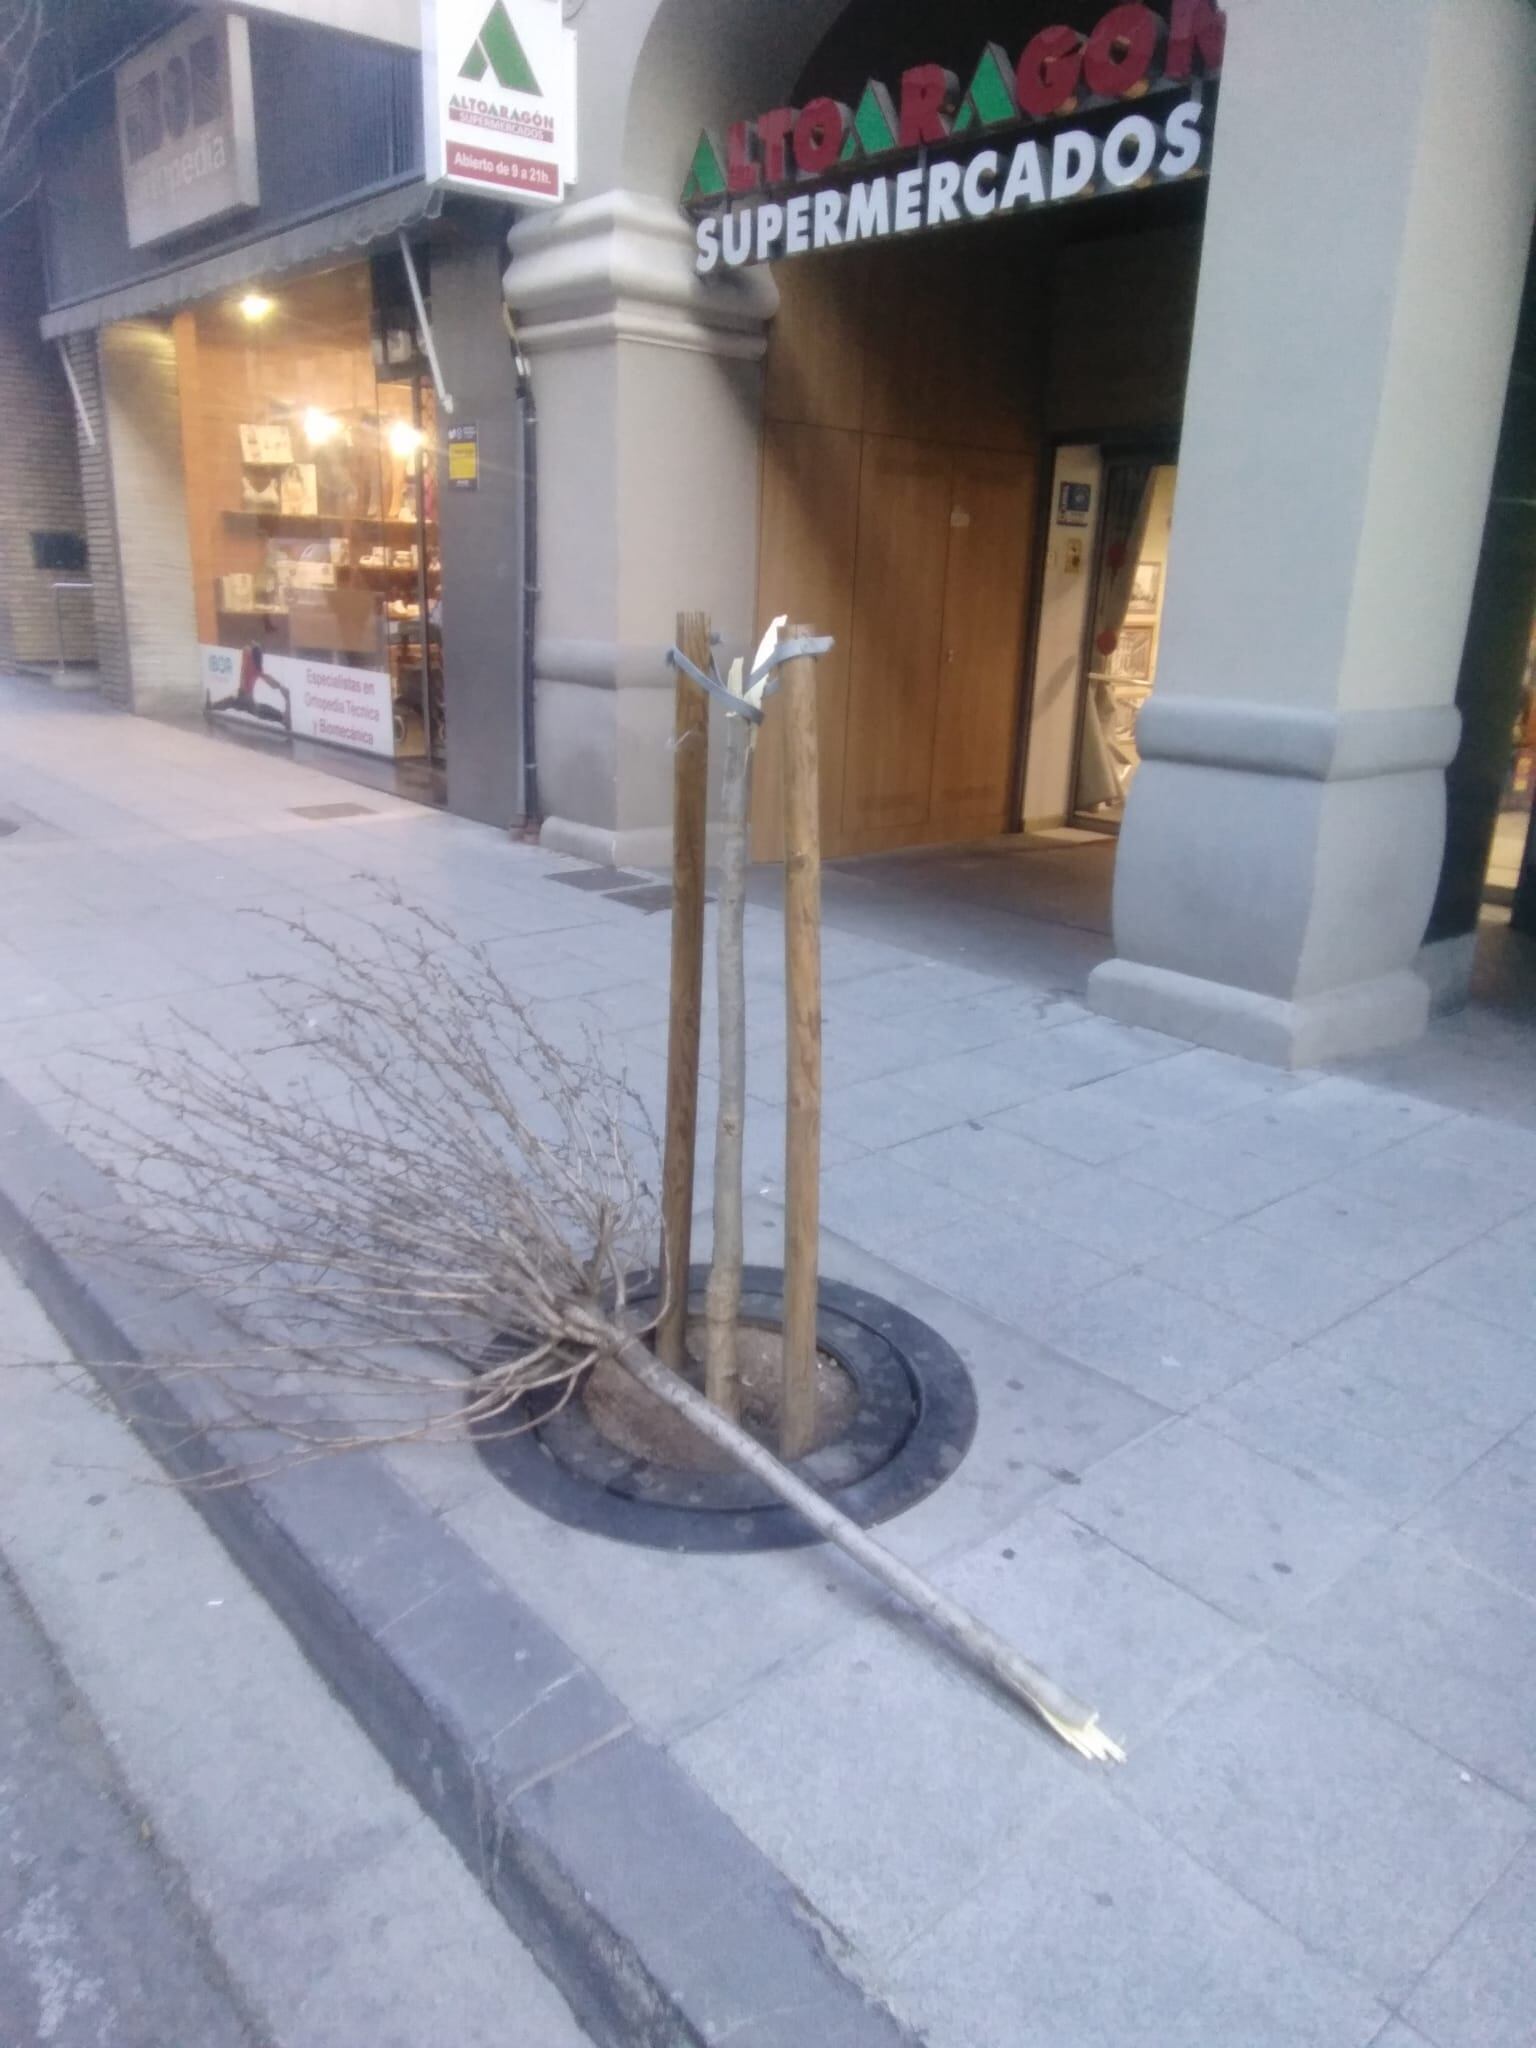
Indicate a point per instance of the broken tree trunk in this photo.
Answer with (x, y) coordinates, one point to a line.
(690, 797)
(1065, 1716)
(723, 1301)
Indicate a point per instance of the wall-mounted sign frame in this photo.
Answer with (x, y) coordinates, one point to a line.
(932, 155)
(464, 456)
(186, 128)
(499, 98)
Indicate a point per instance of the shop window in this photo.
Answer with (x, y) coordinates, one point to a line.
(308, 434)
(64, 553)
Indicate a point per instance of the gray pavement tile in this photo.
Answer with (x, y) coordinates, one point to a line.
(1166, 1344)
(875, 1114)
(675, 1637)
(877, 1202)
(909, 990)
(1398, 2034)
(908, 1775)
(1073, 1055)
(1437, 1647)
(1098, 1933)
(1491, 1150)
(971, 1084)
(1331, 1123)
(1125, 1640)
(1366, 1437)
(1469, 1367)
(1251, 1537)
(1125, 1222)
(1481, 1992)
(1206, 1168)
(1043, 1422)
(1393, 1242)
(1494, 1281)
(1007, 1270)
(1239, 1269)
(1365, 1842)
(1065, 1123)
(1519, 1231)
(1189, 1088)
(1488, 1517)
(979, 1160)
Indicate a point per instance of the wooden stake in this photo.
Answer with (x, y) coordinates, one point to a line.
(690, 800)
(802, 988)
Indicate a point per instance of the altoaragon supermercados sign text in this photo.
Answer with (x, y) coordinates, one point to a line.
(812, 177)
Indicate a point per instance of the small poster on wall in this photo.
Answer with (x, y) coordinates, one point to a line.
(300, 493)
(1074, 502)
(318, 700)
(268, 444)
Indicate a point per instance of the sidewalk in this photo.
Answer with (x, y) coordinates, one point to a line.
(1256, 1362)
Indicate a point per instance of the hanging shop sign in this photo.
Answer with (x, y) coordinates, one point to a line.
(816, 177)
(499, 92)
(186, 128)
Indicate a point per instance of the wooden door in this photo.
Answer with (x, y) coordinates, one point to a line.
(990, 523)
(810, 513)
(898, 616)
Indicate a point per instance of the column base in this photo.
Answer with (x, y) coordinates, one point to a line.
(1445, 965)
(1367, 1016)
(642, 846)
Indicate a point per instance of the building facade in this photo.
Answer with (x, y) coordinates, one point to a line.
(1133, 392)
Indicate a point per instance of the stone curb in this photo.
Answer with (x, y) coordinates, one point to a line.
(661, 1923)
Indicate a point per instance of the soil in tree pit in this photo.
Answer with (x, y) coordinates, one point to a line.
(635, 1421)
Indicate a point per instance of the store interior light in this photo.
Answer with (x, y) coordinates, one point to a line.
(256, 306)
(404, 439)
(320, 427)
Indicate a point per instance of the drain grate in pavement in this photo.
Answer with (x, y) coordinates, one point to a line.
(653, 896)
(604, 879)
(331, 810)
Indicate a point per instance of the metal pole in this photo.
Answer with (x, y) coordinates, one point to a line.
(425, 324)
(76, 394)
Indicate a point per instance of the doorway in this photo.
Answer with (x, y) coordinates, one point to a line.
(1124, 631)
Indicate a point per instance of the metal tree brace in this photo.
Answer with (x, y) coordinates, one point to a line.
(767, 675)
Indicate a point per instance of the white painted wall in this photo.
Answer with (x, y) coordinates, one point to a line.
(1059, 647)
(386, 21)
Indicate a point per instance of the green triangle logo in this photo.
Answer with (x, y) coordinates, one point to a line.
(496, 49)
(706, 174)
(874, 125)
(991, 99)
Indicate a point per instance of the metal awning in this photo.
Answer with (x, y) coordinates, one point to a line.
(347, 230)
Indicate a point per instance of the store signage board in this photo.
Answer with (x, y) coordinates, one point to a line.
(346, 707)
(936, 152)
(186, 128)
(499, 94)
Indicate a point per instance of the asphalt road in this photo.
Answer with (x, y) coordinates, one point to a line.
(99, 1948)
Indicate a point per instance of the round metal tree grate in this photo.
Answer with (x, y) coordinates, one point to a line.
(912, 1424)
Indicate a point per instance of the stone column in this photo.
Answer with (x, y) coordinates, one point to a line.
(1370, 211)
(648, 385)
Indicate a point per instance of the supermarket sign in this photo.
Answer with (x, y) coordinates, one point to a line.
(499, 95)
(933, 152)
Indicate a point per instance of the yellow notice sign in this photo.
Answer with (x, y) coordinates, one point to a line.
(464, 457)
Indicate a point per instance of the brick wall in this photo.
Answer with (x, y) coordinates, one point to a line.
(39, 485)
(148, 489)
